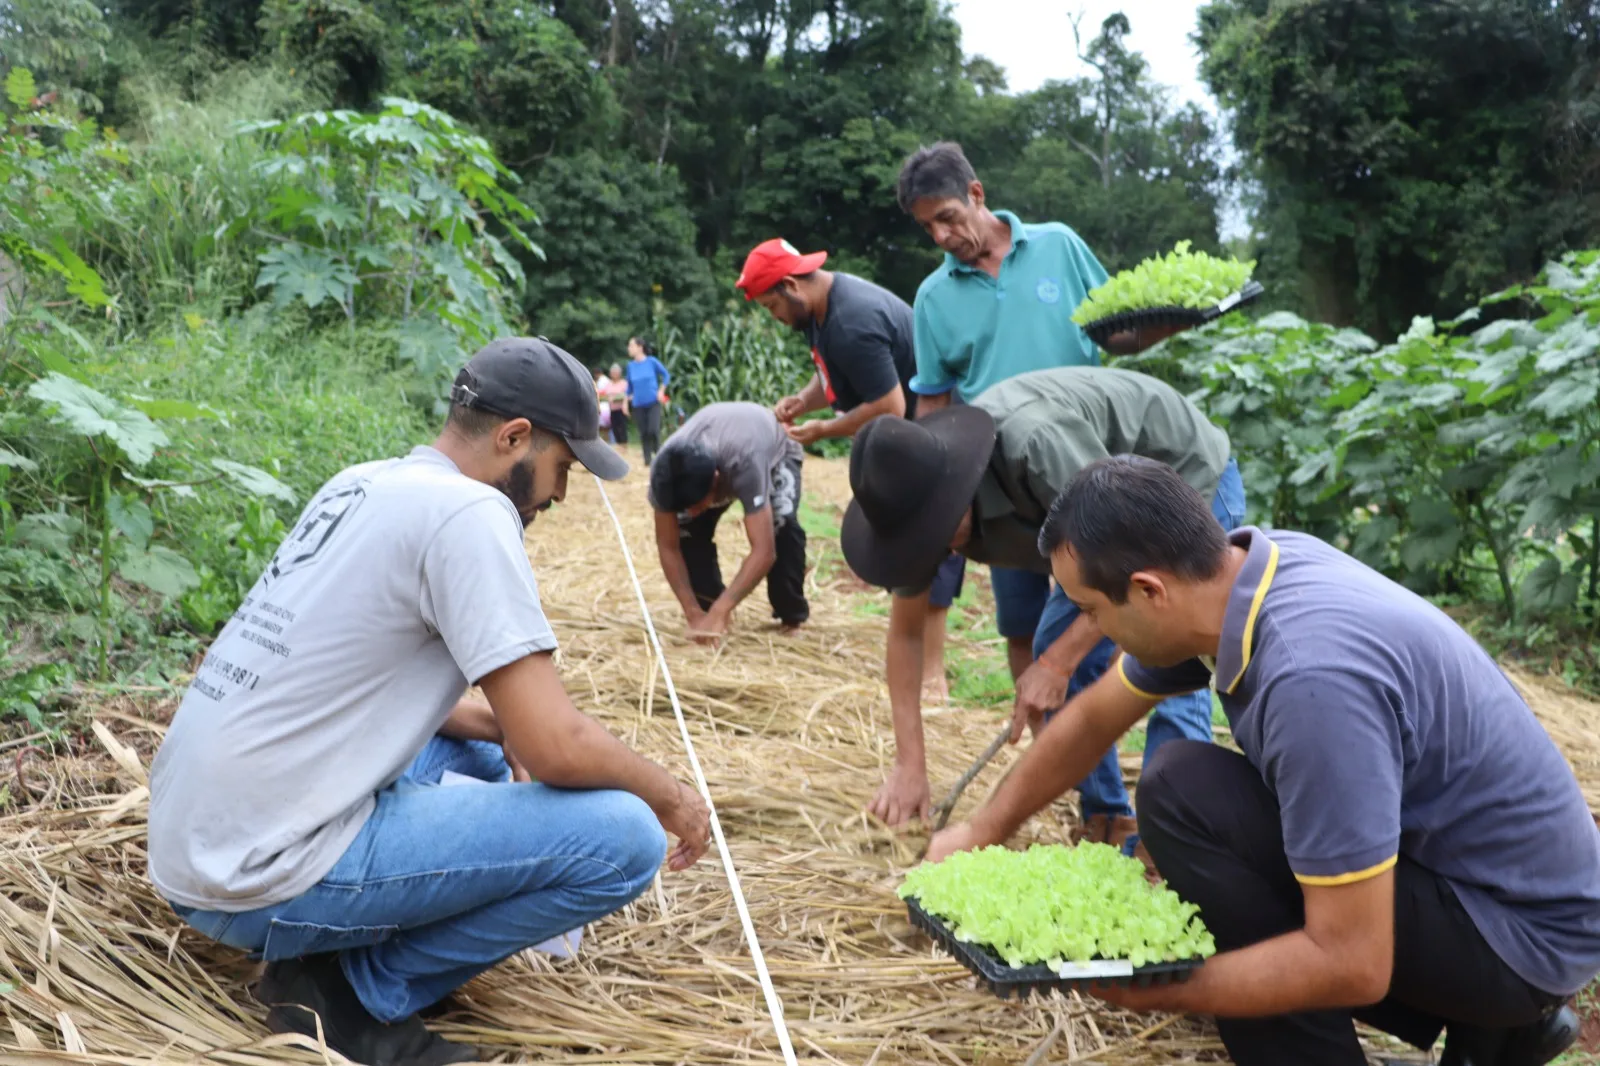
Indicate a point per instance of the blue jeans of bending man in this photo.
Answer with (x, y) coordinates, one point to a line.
(444, 882)
(1180, 718)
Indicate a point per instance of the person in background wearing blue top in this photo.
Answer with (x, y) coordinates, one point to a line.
(1400, 842)
(1000, 305)
(647, 377)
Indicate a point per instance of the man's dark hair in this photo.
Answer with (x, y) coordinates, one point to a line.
(681, 477)
(475, 422)
(1125, 514)
(939, 171)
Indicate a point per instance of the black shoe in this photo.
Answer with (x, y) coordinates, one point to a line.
(1526, 1045)
(1537, 1044)
(300, 991)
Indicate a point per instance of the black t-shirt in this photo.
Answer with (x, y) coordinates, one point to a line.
(865, 346)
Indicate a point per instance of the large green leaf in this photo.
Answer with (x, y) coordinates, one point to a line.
(21, 88)
(159, 569)
(1548, 588)
(20, 462)
(254, 480)
(167, 409)
(94, 414)
(1568, 396)
(295, 272)
(51, 531)
(1549, 515)
(132, 518)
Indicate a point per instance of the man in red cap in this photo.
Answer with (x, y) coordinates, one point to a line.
(861, 338)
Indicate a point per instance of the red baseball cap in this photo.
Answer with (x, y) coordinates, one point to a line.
(772, 261)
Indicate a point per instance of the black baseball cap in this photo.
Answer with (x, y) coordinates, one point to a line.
(528, 377)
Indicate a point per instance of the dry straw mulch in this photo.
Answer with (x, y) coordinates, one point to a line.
(793, 734)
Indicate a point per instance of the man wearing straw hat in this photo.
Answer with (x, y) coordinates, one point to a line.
(1399, 843)
(979, 479)
(295, 808)
(862, 340)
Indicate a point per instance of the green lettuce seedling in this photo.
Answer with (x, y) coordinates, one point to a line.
(1180, 278)
(1055, 904)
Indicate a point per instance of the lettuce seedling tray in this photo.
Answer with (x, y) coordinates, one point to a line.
(1006, 981)
(1102, 330)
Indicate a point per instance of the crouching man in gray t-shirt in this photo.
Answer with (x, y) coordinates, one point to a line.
(727, 452)
(295, 806)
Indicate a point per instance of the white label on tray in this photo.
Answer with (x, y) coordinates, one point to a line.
(1097, 968)
(1227, 304)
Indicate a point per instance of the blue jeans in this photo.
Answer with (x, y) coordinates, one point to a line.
(1019, 599)
(443, 883)
(1180, 718)
(948, 580)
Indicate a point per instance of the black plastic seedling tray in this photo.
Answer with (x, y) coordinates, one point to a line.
(1006, 982)
(1103, 329)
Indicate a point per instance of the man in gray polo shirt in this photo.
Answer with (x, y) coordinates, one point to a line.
(988, 472)
(1400, 842)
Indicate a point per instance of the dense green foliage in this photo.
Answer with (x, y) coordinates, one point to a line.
(1056, 904)
(1180, 278)
(1464, 458)
(1410, 155)
(264, 232)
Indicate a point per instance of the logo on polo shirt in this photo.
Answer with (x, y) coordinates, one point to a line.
(1048, 291)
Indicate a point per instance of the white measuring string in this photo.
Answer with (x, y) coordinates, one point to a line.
(774, 1004)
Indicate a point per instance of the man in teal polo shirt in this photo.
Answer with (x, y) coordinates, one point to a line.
(1001, 303)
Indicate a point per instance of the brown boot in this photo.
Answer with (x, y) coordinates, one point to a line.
(1094, 829)
(1151, 874)
(1122, 827)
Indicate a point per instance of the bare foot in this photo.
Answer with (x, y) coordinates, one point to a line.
(935, 690)
(790, 631)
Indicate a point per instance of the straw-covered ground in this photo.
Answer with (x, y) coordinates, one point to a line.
(793, 734)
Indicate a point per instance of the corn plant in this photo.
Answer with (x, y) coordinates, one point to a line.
(122, 440)
(739, 355)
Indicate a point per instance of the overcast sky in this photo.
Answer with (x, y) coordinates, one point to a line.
(1032, 39)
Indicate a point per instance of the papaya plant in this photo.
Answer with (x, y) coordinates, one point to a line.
(398, 214)
(123, 441)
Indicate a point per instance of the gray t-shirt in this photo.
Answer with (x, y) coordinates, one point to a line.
(1384, 730)
(748, 444)
(403, 581)
(865, 346)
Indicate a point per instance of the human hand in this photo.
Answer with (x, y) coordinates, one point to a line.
(689, 819)
(807, 432)
(1134, 341)
(788, 409)
(1040, 691)
(902, 796)
(959, 837)
(711, 627)
(519, 773)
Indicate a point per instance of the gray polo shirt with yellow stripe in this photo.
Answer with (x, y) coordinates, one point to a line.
(1384, 730)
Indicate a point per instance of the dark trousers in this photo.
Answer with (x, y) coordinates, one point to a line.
(786, 581)
(649, 419)
(619, 425)
(1213, 828)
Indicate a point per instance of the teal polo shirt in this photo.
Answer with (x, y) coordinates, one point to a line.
(974, 331)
